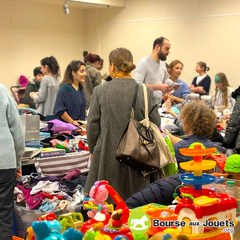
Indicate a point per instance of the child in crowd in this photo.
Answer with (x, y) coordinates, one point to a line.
(70, 104)
(201, 84)
(199, 123)
(45, 98)
(93, 77)
(13, 145)
(223, 92)
(33, 86)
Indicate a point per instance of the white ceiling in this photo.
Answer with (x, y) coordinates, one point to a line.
(72, 4)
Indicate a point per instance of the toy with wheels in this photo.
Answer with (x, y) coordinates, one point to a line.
(104, 226)
(74, 220)
(201, 205)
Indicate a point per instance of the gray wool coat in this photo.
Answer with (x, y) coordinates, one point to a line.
(108, 117)
(232, 135)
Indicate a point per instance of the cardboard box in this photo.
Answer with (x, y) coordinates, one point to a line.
(44, 135)
(30, 127)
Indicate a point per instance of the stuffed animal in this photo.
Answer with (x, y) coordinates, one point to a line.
(98, 194)
(115, 220)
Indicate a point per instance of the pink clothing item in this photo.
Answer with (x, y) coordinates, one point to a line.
(73, 174)
(53, 142)
(23, 81)
(34, 200)
(69, 132)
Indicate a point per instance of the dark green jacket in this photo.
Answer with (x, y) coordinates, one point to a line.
(31, 87)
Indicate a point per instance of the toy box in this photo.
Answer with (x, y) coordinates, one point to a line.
(43, 135)
(30, 127)
(52, 152)
(33, 144)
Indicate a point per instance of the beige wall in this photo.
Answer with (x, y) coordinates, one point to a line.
(200, 30)
(30, 32)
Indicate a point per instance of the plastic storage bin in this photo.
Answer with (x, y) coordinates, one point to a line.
(193, 97)
(24, 217)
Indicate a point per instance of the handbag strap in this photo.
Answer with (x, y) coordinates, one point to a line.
(134, 101)
(146, 105)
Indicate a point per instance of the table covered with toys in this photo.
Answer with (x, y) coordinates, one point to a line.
(55, 167)
(198, 213)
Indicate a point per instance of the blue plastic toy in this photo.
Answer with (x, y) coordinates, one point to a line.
(51, 230)
(47, 230)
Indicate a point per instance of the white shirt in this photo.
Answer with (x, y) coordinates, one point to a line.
(200, 78)
(218, 101)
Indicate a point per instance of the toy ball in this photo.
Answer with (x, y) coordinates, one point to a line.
(233, 164)
(195, 143)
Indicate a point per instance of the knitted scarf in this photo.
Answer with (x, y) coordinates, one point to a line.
(120, 74)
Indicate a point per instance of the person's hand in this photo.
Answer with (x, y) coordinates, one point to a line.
(167, 104)
(76, 123)
(19, 173)
(170, 111)
(176, 87)
(172, 98)
(165, 87)
(200, 89)
(166, 96)
(90, 157)
(32, 95)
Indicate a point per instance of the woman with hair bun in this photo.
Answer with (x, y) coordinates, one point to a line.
(46, 97)
(85, 53)
(109, 115)
(93, 77)
(201, 84)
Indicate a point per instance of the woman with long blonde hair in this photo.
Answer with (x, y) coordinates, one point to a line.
(223, 92)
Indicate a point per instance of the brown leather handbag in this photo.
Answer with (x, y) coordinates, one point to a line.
(137, 146)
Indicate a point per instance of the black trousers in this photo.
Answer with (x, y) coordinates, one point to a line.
(7, 183)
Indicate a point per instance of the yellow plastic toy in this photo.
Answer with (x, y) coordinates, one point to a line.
(74, 220)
